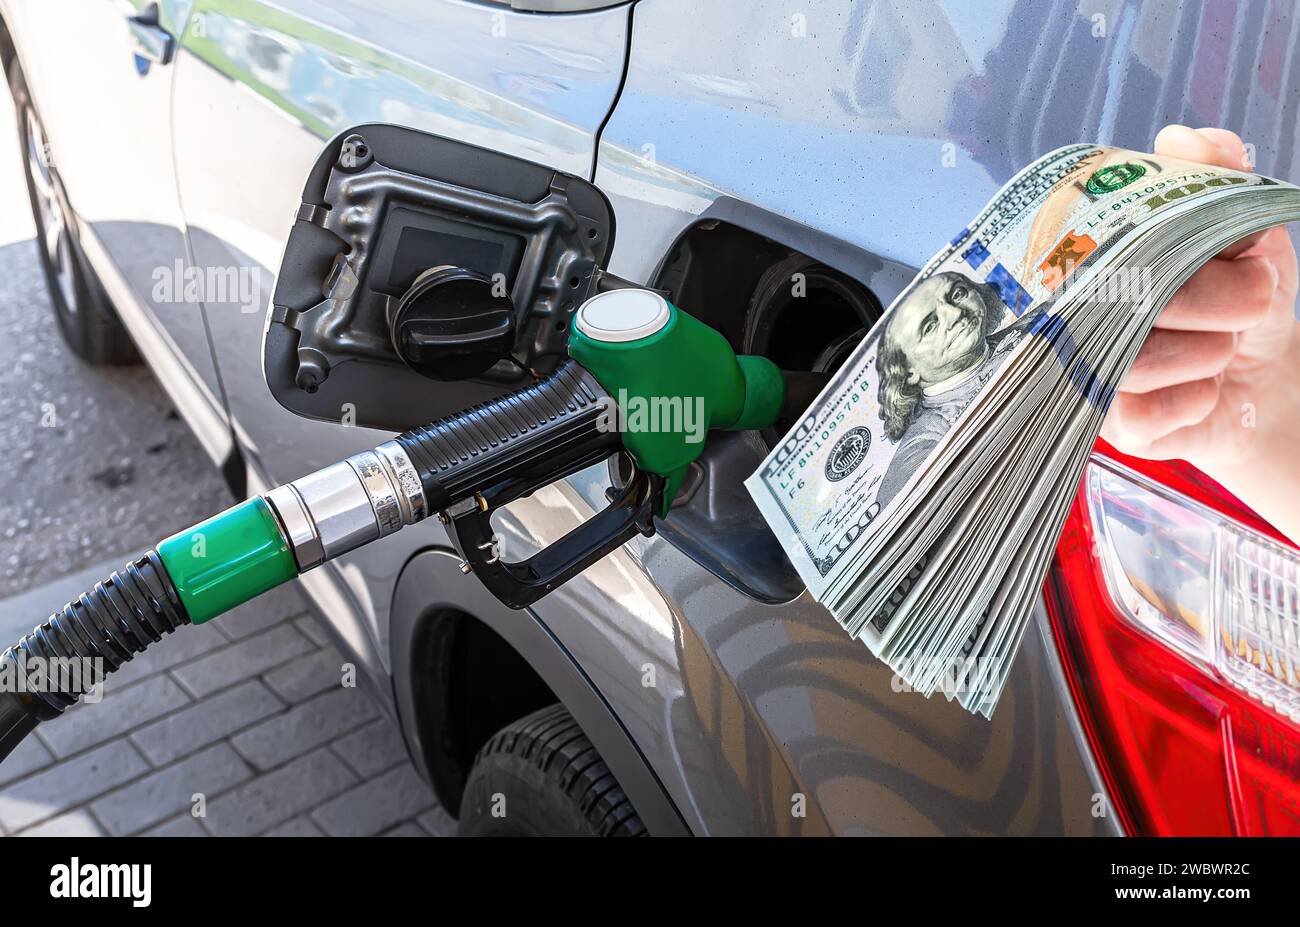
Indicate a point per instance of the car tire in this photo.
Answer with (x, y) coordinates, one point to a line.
(541, 776)
(85, 316)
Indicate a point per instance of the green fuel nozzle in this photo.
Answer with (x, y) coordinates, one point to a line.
(642, 378)
(671, 378)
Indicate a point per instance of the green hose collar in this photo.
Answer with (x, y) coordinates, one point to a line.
(228, 559)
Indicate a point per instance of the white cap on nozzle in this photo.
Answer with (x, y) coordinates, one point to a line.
(622, 315)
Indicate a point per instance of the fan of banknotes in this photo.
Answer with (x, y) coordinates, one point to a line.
(922, 494)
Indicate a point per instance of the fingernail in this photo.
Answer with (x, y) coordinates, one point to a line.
(1233, 151)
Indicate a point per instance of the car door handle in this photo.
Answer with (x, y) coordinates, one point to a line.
(152, 42)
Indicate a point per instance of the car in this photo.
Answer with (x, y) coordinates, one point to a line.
(781, 171)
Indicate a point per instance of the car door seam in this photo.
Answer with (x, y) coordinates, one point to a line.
(618, 93)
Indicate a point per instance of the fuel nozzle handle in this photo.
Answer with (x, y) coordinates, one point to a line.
(515, 443)
(642, 378)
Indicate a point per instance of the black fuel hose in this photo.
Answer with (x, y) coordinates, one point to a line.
(61, 660)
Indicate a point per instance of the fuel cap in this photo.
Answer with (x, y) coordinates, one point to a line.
(623, 315)
(452, 324)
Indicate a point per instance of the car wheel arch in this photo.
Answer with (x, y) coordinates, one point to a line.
(437, 617)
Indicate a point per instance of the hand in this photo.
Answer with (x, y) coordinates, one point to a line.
(1217, 382)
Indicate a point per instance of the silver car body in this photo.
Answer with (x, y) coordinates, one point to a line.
(862, 133)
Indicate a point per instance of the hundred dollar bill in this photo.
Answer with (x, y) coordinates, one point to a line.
(952, 421)
(865, 439)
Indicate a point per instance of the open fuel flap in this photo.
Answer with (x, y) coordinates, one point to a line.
(423, 276)
(415, 259)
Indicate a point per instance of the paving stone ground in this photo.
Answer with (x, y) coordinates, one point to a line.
(245, 720)
(248, 710)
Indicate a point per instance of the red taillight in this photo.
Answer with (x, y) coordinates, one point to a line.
(1176, 612)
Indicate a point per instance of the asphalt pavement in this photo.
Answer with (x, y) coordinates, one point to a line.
(97, 462)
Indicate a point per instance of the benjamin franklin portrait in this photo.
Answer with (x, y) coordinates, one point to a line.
(938, 350)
